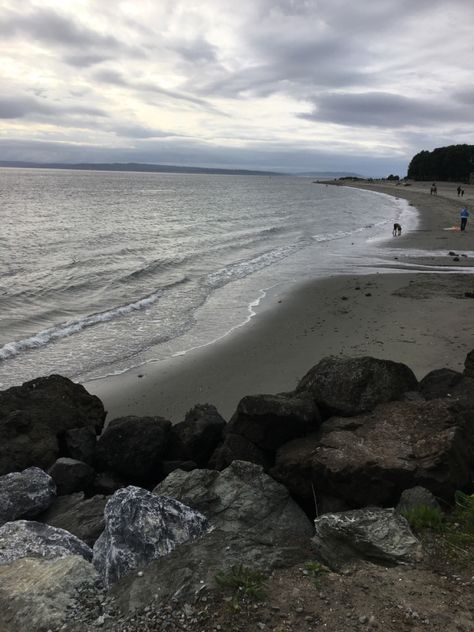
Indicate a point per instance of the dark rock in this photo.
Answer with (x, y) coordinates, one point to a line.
(71, 476)
(416, 497)
(26, 538)
(269, 421)
(349, 386)
(25, 494)
(196, 438)
(107, 483)
(39, 594)
(134, 447)
(439, 383)
(80, 444)
(34, 417)
(238, 448)
(82, 517)
(371, 459)
(451, 253)
(240, 498)
(469, 364)
(378, 535)
(171, 466)
(140, 527)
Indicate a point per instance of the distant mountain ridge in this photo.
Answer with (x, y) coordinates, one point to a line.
(134, 166)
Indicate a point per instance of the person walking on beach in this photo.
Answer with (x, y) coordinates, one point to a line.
(459, 190)
(464, 216)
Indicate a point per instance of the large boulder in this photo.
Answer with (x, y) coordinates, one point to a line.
(35, 416)
(375, 535)
(134, 447)
(238, 448)
(372, 458)
(196, 438)
(269, 421)
(350, 386)
(416, 497)
(242, 498)
(82, 517)
(40, 594)
(26, 538)
(25, 494)
(71, 476)
(439, 383)
(140, 527)
(80, 443)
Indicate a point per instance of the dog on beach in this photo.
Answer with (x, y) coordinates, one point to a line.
(397, 230)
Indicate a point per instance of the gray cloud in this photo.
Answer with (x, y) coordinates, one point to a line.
(26, 107)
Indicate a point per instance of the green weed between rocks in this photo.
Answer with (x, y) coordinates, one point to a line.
(424, 517)
(243, 583)
(460, 531)
(315, 571)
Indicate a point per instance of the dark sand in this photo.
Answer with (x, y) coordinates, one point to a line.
(423, 320)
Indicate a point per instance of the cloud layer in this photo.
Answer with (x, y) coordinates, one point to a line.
(295, 85)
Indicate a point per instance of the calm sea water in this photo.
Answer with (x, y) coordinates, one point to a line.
(97, 269)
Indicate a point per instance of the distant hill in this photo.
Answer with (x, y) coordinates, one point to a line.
(134, 166)
(334, 175)
(454, 163)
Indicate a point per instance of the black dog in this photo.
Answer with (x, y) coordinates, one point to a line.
(397, 230)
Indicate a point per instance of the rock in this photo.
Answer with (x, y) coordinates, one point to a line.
(37, 594)
(134, 447)
(26, 538)
(35, 416)
(170, 466)
(349, 386)
(269, 421)
(240, 498)
(107, 483)
(238, 448)
(469, 364)
(416, 497)
(190, 570)
(439, 383)
(372, 458)
(80, 444)
(25, 494)
(374, 534)
(82, 517)
(140, 527)
(196, 438)
(71, 476)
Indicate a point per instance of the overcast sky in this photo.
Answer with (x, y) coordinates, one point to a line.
(292, 85)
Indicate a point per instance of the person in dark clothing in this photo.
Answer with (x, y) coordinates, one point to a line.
(464, 216)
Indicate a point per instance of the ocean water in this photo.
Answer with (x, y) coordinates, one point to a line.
(102, 271)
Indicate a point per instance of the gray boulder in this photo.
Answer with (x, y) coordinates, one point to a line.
(373, 534)
(238, 448)
(71, 476)
(82, 517)
(196, 438)
(38, 594)
(417, 497)
(241, 498)
(26, 538)
(370, 459)
(350, 386)
(140, 527)
(269, 421)
(25, 494)
(134, 447)
(35, 416)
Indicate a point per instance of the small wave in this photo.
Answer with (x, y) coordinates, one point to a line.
(154, 266)
(70, 327)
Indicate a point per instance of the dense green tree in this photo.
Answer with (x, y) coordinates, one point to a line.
(453, 163)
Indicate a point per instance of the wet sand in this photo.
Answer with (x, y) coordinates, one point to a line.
(418, 315)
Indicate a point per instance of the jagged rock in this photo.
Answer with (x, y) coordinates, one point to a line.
(27, 538)
(416, 497)
(82, 517)
(240, 498)
(196, 438)
(80, 444)
(190, 570)
(349, 386)
(374, 534)
(107, 483)
(269, 421)
(36, 594)
(140, 527)
(134, 447)
(71, 476)
(372, 458)
(469, 364)
(238, 448)
(34, 417)
(25, 494)
(439, 383)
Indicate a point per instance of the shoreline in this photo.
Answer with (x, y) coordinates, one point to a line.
(389, 316)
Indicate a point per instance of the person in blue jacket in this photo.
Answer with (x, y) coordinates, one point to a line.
(464, 216)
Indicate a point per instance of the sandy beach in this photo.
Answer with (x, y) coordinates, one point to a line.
(414, 310)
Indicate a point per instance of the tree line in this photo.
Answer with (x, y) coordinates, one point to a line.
(453, 164)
